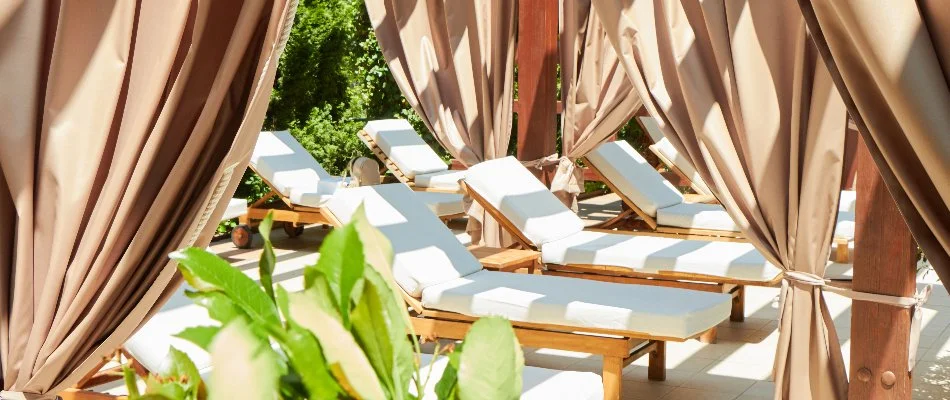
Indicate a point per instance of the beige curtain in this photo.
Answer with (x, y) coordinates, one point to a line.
(597, 95)
(124, 124)
(891, 63)
(454, 62)
(739, 88)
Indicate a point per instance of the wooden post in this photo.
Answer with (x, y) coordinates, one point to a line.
(537, 78)
(884, 263)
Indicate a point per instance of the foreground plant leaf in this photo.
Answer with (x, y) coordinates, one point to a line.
(346, 359)
(490, 367)
(201, 336)
(379, 255)
(178, 364)
(245, 367)
(447, 387)
(341, 260)
(220, 307)
(306, 355)
(379, 329)
(207, 272)
(268, 259)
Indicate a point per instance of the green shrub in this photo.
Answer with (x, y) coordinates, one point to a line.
(343, 336)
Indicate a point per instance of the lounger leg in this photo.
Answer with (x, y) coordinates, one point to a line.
(738, 305)
(613, 376)
(708, 336)
(656, 371)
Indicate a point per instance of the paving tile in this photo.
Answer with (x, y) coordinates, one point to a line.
(636, 390)
(683, 393)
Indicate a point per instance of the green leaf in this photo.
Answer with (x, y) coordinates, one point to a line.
(305, 354)
(341, 260)
(179, 366)
(220, 307)
(131, 382)
(245, 367)
(380, 330)
(207, 272)
(379, 255)
(447, 387)
(268, 259)
(347, 361)
(169, 388)
(490, 367)
(201, 336)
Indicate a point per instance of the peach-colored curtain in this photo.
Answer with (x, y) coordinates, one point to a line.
(124, 124)
(891, 62)
(597, 95)
(454, 62)
(739, 88)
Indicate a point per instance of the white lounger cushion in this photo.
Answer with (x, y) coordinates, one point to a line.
(558, 300)
(696, 216)
(509, 187)
(293, 172)
(398, 140)
(443, 204)
(663, 146)
(537, 383)
(651, 254)
(448, 180)
(426, 252)
(151, 343)
(633, 176)
(236, 208)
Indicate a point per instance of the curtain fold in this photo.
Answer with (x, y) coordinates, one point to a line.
(453, 60)
(125, 124)
(892, 65)
(739, 89)
(597, 95)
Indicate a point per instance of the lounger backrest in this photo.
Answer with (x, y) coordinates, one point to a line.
(633, 176)
(511, 189)
(663, 145)
(400, 142)
(282, 161)
(425, 251)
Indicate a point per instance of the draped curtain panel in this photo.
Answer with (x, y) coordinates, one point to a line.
(454, 62)
(891, 62)
(597, 95)
(739, 88)
(124, 124)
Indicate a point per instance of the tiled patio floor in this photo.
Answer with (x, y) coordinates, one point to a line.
(737, 367)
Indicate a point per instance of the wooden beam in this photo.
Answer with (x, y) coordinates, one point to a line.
(885, 259)
(537, 78)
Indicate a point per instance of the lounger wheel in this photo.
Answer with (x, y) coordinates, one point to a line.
(293, 230)
(241, 236)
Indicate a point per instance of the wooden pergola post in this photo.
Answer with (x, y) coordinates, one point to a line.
(537, 78)
(884, 263)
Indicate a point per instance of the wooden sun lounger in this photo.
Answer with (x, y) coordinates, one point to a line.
(397, 172)
(618, 348)
(608, 273)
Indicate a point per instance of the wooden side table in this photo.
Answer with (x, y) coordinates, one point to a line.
(506, 260)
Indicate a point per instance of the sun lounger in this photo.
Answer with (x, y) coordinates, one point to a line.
(447, 289)
(410, 158)
(146, 351)
(538, 220)
(663, 209)
(303, 187)
(664, 150)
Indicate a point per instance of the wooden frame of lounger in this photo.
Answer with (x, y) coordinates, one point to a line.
(397, 172)
(609, 273)
(619, 348)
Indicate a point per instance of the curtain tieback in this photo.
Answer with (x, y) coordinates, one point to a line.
(915, 303)
(542, 162)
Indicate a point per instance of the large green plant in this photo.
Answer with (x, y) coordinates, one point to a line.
(343, 336)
